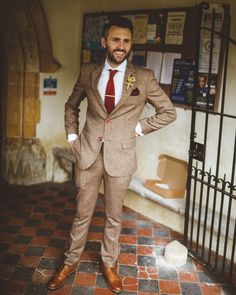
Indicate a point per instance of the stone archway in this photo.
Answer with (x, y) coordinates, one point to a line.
(26, 50)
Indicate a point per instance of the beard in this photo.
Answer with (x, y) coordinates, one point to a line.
(114, 59)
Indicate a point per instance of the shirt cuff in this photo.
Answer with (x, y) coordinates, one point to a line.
(138, 130)
(72, 137)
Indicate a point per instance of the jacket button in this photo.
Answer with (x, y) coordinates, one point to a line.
(101, 138)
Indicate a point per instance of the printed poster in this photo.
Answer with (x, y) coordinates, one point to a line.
(175, 27)
(204, 55)
(140, 28)
(182, 81)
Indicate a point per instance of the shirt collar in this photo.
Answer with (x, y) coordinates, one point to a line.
(120, 68)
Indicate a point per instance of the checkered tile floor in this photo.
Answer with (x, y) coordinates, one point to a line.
(34, 227)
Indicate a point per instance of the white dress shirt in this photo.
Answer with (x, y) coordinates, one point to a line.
(118, 83)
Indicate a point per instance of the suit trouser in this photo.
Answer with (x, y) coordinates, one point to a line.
(88, 182)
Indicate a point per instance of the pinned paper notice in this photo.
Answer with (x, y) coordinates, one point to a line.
(167, 67)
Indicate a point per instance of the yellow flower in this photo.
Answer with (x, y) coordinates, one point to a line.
(130, 81)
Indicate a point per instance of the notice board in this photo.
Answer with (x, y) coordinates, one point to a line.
(163, 39)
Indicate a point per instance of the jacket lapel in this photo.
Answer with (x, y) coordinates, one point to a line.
(126, 90)
(95, 79)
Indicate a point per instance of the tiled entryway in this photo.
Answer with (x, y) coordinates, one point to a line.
(34, 226)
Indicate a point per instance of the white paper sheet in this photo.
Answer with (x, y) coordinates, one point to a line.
(167, 67)
(154, 62)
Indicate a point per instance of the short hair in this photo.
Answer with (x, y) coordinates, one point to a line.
(117, 21)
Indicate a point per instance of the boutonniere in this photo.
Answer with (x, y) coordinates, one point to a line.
(130, 81)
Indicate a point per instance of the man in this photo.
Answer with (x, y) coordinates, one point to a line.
(105, 148)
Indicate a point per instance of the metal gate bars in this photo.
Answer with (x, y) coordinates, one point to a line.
(210, 218)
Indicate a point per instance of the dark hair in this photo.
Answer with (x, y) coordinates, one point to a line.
(117, 21)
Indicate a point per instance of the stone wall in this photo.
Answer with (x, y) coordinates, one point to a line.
(24, 161)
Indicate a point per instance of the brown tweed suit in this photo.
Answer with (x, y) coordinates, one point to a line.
(105, 150)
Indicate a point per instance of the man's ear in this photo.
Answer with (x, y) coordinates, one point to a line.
(103, 42)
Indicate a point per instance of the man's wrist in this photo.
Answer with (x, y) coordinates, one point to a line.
(138, 130)
(72, 137)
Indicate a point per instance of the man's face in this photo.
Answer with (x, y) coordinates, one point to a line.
(117, 44)
(201, 82)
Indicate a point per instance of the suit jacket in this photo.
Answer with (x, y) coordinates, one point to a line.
(116, 131)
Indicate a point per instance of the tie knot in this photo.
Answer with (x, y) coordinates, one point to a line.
(112, 73)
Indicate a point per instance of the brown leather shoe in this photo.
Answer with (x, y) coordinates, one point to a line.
(59, 278)
(113, 280)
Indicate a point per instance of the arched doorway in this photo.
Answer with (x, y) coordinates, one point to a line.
(25, 52)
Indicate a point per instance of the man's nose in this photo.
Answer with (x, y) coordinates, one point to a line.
(121, 45)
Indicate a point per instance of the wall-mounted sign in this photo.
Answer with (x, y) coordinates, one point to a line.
(50, 86)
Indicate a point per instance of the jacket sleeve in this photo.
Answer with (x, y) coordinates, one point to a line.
(72, 105)
(165, 110)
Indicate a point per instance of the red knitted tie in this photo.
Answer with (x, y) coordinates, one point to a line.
(110, 92)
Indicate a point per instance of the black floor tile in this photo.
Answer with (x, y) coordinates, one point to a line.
(58, 204)
(146, 261)
(96, 228)
(40, 209)
(166, 273)
(13, 229)
(92, 246)
(23, 214)
(3, 247)
(99, 214)
(21, 239)
(160, 233)
(190, 288)
(63, 194)
(35, 251)
(128, 271)
(128, 231)
(126, 248)
(12, 207)
(100, 281)
(44, 232)
(23, 273)
(36, 289)
(187, 266)
(150, 286)
(207, 277)
(144, 224)
(58, 243)
(51, 217)
(145, 241)
(33, 222)
(10, 259)
(64, 226)
(49, 263)
(81, 290)
(128, 216)
(88, 267)
(68, 212)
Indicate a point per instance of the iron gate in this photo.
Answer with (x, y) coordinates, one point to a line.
(210, 223)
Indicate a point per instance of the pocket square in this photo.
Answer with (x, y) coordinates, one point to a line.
(135, 92)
